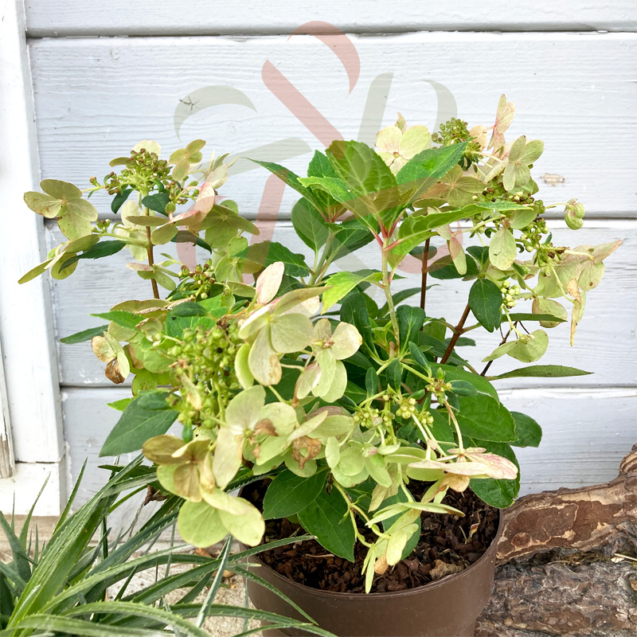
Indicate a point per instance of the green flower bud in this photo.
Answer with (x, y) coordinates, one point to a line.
(574, 215)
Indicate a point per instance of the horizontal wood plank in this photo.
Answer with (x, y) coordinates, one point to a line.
(606, 341)
(95, 98)
(586, 433)
(48, 18)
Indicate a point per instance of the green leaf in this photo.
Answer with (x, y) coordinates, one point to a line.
(485, 301)
(327, 519)
(543, 371)
(121, 404)
(157, 202)
(426, 168)
(418, 356)
(288, 494)
(410, 320)
(85, 335)
(309, 224)
(528, 431)
(354, 311)
(394, 374)
(339, 284)
(484, 417)
(135, 427)
(416, 229)
(103, 249)
(521, 316)
(125, 319)
(371, 382)
(294, 263)
(463, 388)
(350, 236)
(450, 271)
(188, 309)
(497, 493)
(359, 167)
(120, 199)
(289, 178)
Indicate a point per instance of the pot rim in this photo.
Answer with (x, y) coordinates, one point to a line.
(410, 591)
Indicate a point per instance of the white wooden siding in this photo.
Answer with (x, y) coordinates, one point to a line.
(96, 97)
(198, 17)
(26, 322)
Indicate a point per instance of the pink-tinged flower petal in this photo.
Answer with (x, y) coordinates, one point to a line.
(457, 468)
(269, 282)
(206, 199)
(388, 140)
(495, 466)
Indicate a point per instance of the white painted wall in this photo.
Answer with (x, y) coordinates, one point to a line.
(572, 81)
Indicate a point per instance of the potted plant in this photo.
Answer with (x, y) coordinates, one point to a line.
(356, 421)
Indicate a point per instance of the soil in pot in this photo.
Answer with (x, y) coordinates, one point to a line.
(448, 544)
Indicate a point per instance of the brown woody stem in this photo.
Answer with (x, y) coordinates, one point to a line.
(456, 335)
(151, 262)
(423, 288)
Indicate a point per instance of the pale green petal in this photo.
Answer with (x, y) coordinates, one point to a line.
(291, 333)
(247, 528)
(263, 360)
(339, 383)
(242, 412)
(149, 145)
(414, 141)
(308, 380)
(186, 482)
(270, 448)
(346, 341)
(223, 501)
(228, 456)
(200, 525)
(388, 139)
(241, 367)
(327, 363)
(397, 164)
(308, 426)
(269, 282)
(129, 209)
(282, 416)
(256, 321)
(323, 330)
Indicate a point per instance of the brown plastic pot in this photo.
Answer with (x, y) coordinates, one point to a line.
(448, 607)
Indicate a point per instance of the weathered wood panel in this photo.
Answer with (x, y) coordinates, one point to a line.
(90, 17)
(606, 342)
(586, 433)
(95, 98)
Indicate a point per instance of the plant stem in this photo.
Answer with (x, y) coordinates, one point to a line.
(390, 301)
(151, 262)
(456, 335)
(423, 288)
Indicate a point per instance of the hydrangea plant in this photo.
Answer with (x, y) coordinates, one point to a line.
(301, 378)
